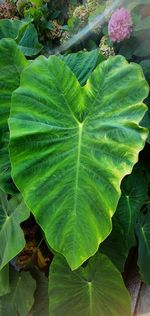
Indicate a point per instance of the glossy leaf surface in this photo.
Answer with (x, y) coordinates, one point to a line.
(95, 290)
(71, 147)
(12, 63)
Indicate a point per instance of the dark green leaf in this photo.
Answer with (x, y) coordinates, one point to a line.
(41, 304)
(134, 193)
(82, 63)
(115, 246)
(20, 300)
(94, 290)
(4, 281)
(143, 234)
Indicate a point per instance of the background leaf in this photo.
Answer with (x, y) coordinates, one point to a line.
(24, 33)
(97, 289)
(11, 235)
(115, 246)
(143, 234)
(20, 300)
(4, 281)
(71, 147)
(41, 304)
(83, 63)
(134, 193)
(12, 63)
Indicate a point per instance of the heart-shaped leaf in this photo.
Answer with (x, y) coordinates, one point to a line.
(12, 213)
(71, 147)
(94, 290)
(12, 63)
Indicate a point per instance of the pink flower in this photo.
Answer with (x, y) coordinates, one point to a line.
(120, 25)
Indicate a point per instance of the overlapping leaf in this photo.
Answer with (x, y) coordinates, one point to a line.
(134, 194)
(143, 234)
(24, 33)
(12, 241)
(4, 281)
(71, 147)
(115, 246)
(94, 290)
(83, 63)
(12, 63)
(20, 300)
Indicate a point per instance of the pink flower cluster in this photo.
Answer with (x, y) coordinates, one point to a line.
(120, 25)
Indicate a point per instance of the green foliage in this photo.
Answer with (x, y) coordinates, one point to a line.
(24, 33)
(77, 125)
(82, 63)
(20, 299)
(12, 213)
(143, 234)
(93, 290)
(44, 144)
(4, 281)
(12, 63)
(116, 248)
(134, 193)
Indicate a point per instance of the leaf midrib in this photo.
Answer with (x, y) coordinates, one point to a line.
(77, 167)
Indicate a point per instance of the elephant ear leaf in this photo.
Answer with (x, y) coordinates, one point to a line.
(71, 146)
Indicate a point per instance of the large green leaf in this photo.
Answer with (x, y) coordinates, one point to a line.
(12, 213)
(24, 33)
(83, 63)
(4, 281)
(143, 234)
(12, 62)
(71, 146)
(20, 300)
(134, 194)
(95, 290)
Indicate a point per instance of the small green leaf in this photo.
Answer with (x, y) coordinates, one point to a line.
(24, 33)
(97, 289)
(4, 281)
(11, 235)
(143, 234)
(20, 300)
(12, 63)
(134, 193)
